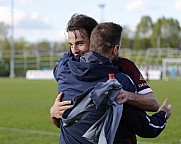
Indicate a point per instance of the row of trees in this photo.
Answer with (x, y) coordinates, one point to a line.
(166, 32)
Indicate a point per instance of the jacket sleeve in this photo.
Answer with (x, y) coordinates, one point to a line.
(58, 67)
(143, 125)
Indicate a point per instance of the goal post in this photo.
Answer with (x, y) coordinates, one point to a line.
(171, 68)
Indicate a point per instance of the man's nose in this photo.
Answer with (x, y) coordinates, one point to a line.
(75, 49)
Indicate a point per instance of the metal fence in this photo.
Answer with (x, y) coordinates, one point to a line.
(33, 59)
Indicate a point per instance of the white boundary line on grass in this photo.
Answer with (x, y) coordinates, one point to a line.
(51, 133)
(29, 131)
(149, 143)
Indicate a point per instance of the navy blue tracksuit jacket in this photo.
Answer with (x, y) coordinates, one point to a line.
(75, 77)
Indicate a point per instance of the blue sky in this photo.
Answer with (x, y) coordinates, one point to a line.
(46, 19)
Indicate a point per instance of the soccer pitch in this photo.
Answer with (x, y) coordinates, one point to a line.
(25, 104)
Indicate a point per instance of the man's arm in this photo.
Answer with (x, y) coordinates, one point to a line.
(57, 110)
(147, 102)
(147, 126)
(146, 99)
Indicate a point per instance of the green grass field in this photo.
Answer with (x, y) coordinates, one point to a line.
(25, 104)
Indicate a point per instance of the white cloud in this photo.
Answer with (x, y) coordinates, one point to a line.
(35, 21)
(178, 5)
(61, 36)
(135, 5)
(23, 20)
(141, 6)
(18, 16)
(5, 15)
(26, 1)
(31, 26)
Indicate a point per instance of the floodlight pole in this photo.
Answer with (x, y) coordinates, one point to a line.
(12, 75)
(101, 6)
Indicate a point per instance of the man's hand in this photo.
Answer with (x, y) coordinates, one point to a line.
(166, 107)
(58, 108)
(121, 97)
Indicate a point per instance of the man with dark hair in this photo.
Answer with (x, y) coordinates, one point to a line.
(75, 76)
(79, 30)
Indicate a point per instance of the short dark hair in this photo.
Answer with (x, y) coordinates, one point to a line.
(104, 37)
(81, 21)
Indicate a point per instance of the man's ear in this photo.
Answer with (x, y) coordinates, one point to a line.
(115, 50)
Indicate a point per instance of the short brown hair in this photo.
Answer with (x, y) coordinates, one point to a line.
(104, 37)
